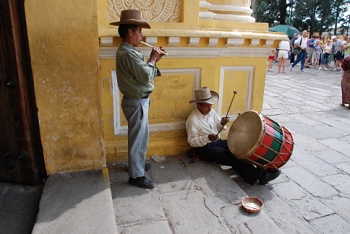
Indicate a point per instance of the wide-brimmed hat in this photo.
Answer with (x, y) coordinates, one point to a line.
(204, 95)
(131, 16)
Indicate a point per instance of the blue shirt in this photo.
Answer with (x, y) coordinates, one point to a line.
(311, 43)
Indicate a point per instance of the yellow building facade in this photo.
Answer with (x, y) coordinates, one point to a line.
(214, 43)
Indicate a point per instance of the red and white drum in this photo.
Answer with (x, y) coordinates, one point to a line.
(255, 138)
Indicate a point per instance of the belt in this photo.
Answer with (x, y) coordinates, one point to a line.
(146, 96)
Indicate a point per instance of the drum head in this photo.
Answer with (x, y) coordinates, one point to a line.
(245, 133)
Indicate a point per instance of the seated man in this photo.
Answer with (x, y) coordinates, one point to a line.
(202, 126)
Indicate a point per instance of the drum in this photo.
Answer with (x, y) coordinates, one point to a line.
(255, 138)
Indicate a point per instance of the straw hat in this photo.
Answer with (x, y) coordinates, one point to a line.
(131, 16)
(204, 95)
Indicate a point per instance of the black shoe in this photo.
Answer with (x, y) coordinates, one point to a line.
(269, 175)
(147, 167)
(142, 182)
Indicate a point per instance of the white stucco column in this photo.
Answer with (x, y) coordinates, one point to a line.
(232, 10)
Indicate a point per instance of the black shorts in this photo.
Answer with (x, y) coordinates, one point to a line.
(339, 55)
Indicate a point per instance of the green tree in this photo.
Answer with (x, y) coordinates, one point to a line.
(311, 15)
(270, 11)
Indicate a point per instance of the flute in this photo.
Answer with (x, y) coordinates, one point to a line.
(146, 44)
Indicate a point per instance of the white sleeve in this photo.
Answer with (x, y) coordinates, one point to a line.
(297, 41)
(194, 138)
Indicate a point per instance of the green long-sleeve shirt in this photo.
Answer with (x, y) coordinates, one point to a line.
(135, 76)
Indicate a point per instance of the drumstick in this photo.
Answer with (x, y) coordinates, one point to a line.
(234, 94)
(146, 44)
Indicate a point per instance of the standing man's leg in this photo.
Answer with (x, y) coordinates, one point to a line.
(302, 59)
(295, 62)
(136, 113)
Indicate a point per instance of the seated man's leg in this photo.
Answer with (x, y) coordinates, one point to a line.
(218, 152)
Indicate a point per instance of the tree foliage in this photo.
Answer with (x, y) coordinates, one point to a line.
(311, 15)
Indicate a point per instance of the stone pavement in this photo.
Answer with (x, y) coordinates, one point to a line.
(312, 195)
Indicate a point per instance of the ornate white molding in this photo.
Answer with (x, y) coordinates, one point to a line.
(249, 88)
(106, 40)
(205, 14)
(194, 41)
(196, 52)
(123, 130)
(213, 41)
(152, 40)
(255, 42)
(235, 41)
(236, 13)
(152, 11)
(173, 40)
(269, 42)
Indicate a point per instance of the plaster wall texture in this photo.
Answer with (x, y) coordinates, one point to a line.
(206, 46)
(73, 60)
(63, 40)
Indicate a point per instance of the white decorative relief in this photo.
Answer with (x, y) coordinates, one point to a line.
(152, 10)
(235, 41)
(249, 88)
(232, 13)
(213, 41)
(205, 14)
(196, 52)
(152, 40)
(106, 40)
(194, 41)
(255, 42)
(123, 130)
(174, 40)
(269, 42)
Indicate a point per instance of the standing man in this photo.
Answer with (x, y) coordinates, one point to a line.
(338, 52)
(292, 41)
(135, 80)
(301, 44)
(310, 50)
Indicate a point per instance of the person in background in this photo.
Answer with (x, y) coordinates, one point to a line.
(271, 59)
(316, 54)
(345, 82)
(310, 50)
(301, 43)
(135, 81)
(292, 41)
(338, 52)
(326, 51)
(283, 50)
(347, 48)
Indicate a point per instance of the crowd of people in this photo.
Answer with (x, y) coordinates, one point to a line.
(318, 54)
(310, 52)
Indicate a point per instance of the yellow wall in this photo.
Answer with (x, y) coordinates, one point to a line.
(240, 66)
(72, 50)
(63, 39)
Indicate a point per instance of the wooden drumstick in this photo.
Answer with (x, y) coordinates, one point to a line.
(146, 44)
(234, 94)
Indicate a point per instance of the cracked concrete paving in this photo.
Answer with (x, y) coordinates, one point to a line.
(312, 195)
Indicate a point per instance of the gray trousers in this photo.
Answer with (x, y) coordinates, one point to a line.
(136, 113)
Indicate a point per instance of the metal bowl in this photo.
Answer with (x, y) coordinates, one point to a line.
(252, 204)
